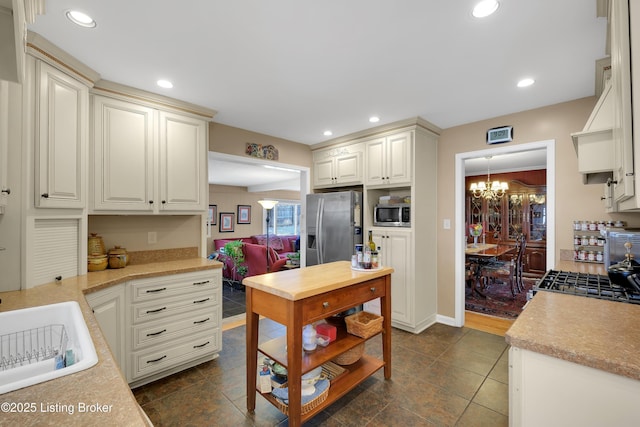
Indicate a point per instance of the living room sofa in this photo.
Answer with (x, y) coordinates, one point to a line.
(255, 254)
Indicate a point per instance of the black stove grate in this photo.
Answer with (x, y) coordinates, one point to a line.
(584, 284)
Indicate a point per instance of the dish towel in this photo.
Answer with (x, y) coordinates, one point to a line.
(282, 394)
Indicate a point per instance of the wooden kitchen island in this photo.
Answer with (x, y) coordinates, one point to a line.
(295, 298)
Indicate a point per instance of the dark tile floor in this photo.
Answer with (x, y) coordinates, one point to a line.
(233, 301)
(444, 376)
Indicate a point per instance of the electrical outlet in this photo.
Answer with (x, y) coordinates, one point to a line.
(446, 224)
(152, 238)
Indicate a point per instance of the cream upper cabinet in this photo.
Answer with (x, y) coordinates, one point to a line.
(388, 160)
(183, 163)
(146, 160)
(61, 135)
(338, 166)
(5, 190)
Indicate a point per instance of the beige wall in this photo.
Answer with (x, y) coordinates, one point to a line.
(230, 140)
(227, 199)
(573, 199)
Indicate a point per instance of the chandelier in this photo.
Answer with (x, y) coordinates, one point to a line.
(488, 189)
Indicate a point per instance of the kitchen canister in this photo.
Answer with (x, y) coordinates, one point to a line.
(95, 245)
(118, 257)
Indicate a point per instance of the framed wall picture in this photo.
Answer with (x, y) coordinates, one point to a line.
(244, 214)
(213, 215)
(226, 222)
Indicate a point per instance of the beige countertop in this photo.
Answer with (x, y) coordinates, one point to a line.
(96, 396)
(591, 332)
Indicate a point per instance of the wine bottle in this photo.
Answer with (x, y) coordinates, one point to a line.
(372, 245)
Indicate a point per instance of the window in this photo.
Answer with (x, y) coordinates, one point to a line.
(287, 218)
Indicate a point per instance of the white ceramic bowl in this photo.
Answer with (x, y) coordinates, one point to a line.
(309, 381)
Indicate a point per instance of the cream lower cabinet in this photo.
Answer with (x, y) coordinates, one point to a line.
(388, 160)
(146, 160)
(174, 323)
(338, 166)
(108, 306)
(395, 252)
(546, 391)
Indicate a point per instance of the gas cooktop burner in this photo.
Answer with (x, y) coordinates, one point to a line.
(585, 284)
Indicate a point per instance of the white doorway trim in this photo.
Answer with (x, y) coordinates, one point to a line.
(460, 191)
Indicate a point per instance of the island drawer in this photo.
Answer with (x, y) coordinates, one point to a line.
(321, 306)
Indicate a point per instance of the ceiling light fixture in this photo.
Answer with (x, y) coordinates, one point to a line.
(526, 82)
(80, 18)
(165, 84)
(485, 8)
(328, 133)
(488, 189)
(374, 119)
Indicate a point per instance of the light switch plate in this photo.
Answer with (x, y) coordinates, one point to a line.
(446, 224)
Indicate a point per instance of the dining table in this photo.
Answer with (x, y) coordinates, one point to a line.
(481, 254)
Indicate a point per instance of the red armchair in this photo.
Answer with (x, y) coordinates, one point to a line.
(255, 259)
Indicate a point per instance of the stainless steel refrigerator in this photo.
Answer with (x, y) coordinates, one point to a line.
(334, 226)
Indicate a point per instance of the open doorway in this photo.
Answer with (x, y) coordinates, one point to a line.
(460, 194)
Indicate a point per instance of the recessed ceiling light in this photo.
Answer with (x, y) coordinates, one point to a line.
(80, 18)
(328, 133)
(374, 119)
(526, 82)
(485, 8)
(165, 84)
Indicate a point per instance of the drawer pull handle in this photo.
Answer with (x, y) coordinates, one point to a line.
(200, 283)
(156, 333)
(201, 345)
(195, 322)
(325, 304)
(201, 300)
(150, 291)
(373, 289)
(156, 360)
(156, 310)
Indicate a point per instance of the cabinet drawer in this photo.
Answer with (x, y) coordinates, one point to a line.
(165, 356)
(152, 333)
(321, 306)
(163, 308)
(180, 284)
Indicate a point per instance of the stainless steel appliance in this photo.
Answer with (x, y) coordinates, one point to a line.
(334, 226)
(393, 215)
(585, 284)
(615, 238)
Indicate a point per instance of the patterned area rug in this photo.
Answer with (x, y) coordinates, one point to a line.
(499, 301)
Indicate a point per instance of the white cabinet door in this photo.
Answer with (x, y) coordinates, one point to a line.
(109, 308)
(61, 139)
(183, 163)
(4, 144)
(123, 156)
(375, 160)
(323, 174)
(621, 87)
(389, 160)
(395, 252)
(399, 158)
(338, 166)
(348, 168)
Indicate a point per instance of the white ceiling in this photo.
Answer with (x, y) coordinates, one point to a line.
(293, 69)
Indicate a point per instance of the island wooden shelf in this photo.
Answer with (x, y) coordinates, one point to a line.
(298, 297)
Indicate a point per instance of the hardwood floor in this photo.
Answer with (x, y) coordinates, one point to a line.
(491, 324)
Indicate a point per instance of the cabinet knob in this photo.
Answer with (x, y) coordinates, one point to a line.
(45, 195)
(7, 191)
(164, 201)
(325, 304)
(373, 290)
(150, 202)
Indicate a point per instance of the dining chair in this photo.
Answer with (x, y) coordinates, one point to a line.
(505, 271)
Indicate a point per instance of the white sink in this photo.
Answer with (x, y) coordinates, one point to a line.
(29, 339)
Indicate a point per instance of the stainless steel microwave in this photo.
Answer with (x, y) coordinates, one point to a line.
(398, 215)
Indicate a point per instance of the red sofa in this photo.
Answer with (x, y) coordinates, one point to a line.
(255, 254)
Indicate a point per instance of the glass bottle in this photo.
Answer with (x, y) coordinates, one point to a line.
(372, 244)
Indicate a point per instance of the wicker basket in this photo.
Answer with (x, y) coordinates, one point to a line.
(307, 407)
(364, 324)
(350, 356)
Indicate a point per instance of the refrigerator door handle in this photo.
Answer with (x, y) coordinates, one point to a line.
(319, 234)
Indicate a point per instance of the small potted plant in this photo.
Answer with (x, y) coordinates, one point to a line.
(293, 258)
(234, 251)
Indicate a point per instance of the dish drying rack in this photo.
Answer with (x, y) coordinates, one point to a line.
(32, 346)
